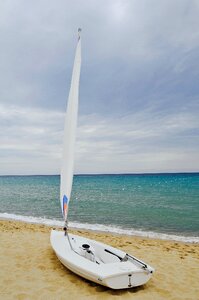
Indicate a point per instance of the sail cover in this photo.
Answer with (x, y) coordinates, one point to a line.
(69, 133)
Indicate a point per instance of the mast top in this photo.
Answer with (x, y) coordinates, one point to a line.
(79, 32)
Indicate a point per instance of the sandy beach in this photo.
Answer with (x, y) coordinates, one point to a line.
(30, 269)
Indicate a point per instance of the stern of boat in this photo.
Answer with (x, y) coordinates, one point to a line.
(124, 281)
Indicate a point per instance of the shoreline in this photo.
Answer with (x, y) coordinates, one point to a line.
(103, 228)
(37, 273)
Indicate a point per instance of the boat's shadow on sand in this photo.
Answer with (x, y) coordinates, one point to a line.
(101, 289)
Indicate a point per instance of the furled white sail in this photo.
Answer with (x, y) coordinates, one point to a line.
(69, 133)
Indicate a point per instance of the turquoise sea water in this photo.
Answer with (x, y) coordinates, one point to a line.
(166, 204)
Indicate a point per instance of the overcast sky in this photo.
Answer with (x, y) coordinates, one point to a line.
(139, 87)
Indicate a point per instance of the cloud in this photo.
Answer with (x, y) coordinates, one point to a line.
(30, 139)
(143, 142)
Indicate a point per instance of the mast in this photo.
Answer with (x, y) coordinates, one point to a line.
(66, 180)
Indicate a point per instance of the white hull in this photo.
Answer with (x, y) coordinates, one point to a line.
(98, 262)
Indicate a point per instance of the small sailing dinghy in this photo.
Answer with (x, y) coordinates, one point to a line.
(90, 259)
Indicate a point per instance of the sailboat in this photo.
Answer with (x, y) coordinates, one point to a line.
(88, 258)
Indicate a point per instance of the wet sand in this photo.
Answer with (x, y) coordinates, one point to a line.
(30, 269)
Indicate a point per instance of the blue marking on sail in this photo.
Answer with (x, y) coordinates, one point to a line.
(65, 205)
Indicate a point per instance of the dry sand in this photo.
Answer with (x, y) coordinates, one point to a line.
(29, 268)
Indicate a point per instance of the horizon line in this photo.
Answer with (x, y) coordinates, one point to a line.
(107, 174)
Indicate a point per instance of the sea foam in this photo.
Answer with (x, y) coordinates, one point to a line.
(100, 227)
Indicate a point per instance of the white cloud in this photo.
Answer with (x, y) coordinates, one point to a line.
(31, 142)
(140, 142)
